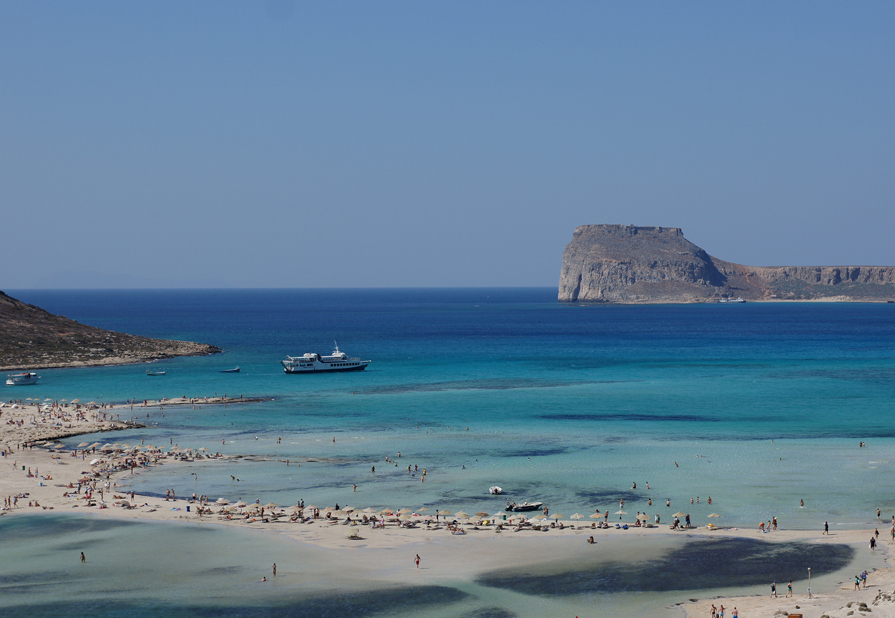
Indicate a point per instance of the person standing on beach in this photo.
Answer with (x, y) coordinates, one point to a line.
(774, 589)
(714, 611)
(789, 589)
(274, 569)
(827, 529)
(417, 561)
(83, 557)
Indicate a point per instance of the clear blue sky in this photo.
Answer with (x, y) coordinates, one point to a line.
(355, 144)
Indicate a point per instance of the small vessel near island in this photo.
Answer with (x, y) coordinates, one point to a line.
(311, 362)
(525, 506)
(22, 379)
(154, 373)
(494, 490)
(236, 370)
(738, 299)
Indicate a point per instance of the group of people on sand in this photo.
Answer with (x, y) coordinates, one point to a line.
(718, 612)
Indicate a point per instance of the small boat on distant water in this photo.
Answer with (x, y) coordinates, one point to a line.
(235, 370)
(154, 373)
(494, 490)
(22, 379)
(738, 299)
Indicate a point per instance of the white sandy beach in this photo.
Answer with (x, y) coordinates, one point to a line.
(55, 475)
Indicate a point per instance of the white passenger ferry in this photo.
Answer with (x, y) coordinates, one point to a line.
(311, 362)
(21, 379)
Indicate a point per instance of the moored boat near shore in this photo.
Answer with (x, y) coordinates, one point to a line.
(22, 379)
(525, 506)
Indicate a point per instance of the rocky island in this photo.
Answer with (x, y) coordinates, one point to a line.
(631, 264)
(32, 338)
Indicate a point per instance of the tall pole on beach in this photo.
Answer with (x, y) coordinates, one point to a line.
(809, 582)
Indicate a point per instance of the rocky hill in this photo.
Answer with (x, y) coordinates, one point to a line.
(629, 264)
(31, 338)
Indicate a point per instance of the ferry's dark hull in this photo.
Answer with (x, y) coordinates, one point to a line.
(333, 370)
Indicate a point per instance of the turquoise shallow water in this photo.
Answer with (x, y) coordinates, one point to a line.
(759, 405)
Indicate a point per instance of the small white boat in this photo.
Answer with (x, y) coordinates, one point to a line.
(154, 373)
(22, 379)
(236, 370)
(494, 490)
(736, 300)
(525, 506)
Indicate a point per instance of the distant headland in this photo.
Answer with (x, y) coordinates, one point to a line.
(32, 338)
(630, 264)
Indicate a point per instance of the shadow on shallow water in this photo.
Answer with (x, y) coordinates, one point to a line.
(699, 564)
(336, 604)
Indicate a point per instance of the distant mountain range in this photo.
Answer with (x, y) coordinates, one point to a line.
(630, 264)
(32, 338)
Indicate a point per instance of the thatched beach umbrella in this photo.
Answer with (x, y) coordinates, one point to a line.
(596, 516)
(620, 513)
(679, 514)
(461, 515)
(83, 444)
(576, 516)
(713, 515)
(222, 501)
(444, 512)
(643, 517)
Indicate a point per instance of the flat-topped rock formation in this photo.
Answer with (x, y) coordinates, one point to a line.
(32, 338)
(630, 264)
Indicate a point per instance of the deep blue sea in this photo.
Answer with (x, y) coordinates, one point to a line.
(758, 405)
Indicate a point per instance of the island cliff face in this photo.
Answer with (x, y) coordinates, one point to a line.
(629, 264)
(32, 338)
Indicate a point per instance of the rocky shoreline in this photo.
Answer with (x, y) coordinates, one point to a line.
(631, 264)
(32, 338)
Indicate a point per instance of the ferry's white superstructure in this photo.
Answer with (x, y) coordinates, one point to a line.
(21, 379)
(311, 362)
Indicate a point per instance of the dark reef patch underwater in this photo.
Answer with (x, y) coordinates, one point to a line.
(697, 565)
